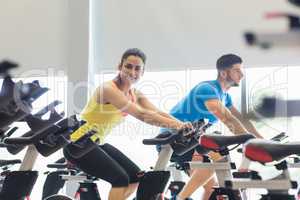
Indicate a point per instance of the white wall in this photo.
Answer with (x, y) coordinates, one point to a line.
(48, 38)
(78, 54)
(176, 34)
(34, 33)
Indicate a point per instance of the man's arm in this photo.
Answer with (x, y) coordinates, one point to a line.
(216, 107)
(247, 124)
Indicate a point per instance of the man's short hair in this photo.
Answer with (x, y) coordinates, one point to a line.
(227, 61)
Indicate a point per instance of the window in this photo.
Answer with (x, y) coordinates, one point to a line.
(269, 81)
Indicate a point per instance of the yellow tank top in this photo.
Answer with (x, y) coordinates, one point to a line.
(99, 117)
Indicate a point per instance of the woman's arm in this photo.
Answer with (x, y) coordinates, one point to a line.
(143, 101)
(118, 99)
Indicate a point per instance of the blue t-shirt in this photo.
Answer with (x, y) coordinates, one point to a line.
(192, 107)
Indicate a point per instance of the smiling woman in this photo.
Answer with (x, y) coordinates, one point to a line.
(111, 102)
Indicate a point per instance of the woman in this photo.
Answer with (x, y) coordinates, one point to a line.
(110, 103)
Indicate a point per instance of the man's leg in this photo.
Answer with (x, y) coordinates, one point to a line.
(200, 177)
(208, 188)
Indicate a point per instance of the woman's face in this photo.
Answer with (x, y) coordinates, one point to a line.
(131, 69)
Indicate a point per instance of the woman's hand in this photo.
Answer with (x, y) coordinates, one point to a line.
(185, 125)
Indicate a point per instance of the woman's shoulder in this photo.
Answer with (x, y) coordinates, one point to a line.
(101, 91)
(107, 85)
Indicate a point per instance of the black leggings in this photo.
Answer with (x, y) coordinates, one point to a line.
(108, 163)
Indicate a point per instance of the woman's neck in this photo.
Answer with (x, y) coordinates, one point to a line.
(125, 87)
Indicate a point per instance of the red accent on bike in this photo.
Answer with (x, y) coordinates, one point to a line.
(220, 197)
(77, 195)
(208, 143)
(27, 198)
(257, 154)
(271, 15)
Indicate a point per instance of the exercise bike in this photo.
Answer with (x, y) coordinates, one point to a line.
(153, 183)
(266, 152)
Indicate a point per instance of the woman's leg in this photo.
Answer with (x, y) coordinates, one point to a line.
(130, 189)
(101, 165)
(117, 193)
(128, 166)
(121, 193)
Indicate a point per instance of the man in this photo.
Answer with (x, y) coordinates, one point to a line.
(210, 100)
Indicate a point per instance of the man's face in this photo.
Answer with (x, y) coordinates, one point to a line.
(131, 69)
(234, 75)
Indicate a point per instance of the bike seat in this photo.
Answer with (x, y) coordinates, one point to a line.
(265, 151)
(9, 162)
(217, 142)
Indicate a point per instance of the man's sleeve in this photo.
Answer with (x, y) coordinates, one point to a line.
(206, 92)
(228, 103)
